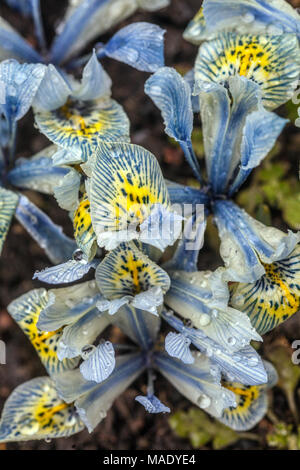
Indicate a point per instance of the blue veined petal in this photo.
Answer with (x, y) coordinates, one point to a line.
(89, 19)
(196, 382)
(223, 112)
(140, 45)
(252, 402)
(37, 173)
(126, 275)
(21, 84)
(100, 363)
(259, 135)
(196, 31)
(255, 16)
(186, 255)
(152, 404)
(172, 95)
(273, 62)
(95, 82)
(138, 325)
(50, 237)
(178, 345)
(35, 411)
(275, 297)
(67, 191)
(244, 365)
(13, 45)
(26, 310)
(190, 79)
(53, 91)
(65, 273)
(93, 400)
(82, 333)
(202, 298)
(180, 194)
(8, 204)
(67, 304)
(126, 185)
(79, 127)
(79, 20)
(246, 244)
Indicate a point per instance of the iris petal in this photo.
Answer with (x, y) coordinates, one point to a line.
(26, 311)
(275, 297)
(252, 403)
(8, 204)
(35, 411)
(270, 61)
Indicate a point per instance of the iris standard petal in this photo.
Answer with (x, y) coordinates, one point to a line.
(152, 404)
(259, 135)
(246, 244)
(53, 91)
(99, 365)
(82, 333)
(171, 94)
(255, 16)
(140, 45)
(21, 84)
(67, 304)
(224, 110)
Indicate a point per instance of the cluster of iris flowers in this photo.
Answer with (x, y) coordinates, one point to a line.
(142, 234)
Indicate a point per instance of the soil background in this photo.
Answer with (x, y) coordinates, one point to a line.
(127, 425)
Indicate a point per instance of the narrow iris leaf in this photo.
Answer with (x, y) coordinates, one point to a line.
(50, 237)
(139, 45)
(13, 45)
